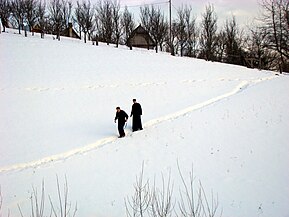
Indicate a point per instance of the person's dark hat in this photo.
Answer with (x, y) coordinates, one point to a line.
(117, 107)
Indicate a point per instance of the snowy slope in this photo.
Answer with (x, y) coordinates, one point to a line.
(57, 108)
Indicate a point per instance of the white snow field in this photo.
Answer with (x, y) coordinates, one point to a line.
(57, 108)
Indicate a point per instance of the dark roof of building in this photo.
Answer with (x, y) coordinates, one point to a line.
(141, 31)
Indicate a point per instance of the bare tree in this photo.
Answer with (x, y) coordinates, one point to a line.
(233, 42)
(194, 201)
(276, 28)
(220, 46)
(18, 7)
(187, 32)
(208, 34)
(145, 18)
(173, 45)
(66, 7)
(162, 204)
(37, 203)
(163, 35)
(138, 204)
(1, 200)
(104, 20)
(64, 206)
(154, 22)
(60, 15)
(89, 26)
(190, 203)
(128, 24)
(159, 27)
(56, 17)
(59, 207)
(192, 32)
(258, 55)
(5, 9)
(30, 12)
(1, 203)
(78, 17)
(84, 15)
(146, 22)
(181, 30)
(41, 19)
(116, 19)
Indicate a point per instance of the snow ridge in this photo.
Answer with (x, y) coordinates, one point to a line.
(58, 157)
(183, 112)
(100, 143)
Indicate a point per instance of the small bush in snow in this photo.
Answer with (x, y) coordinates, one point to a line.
(159, 202)
(59, 208)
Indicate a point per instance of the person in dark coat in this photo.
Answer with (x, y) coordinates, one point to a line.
(122, 117)
(136, 112)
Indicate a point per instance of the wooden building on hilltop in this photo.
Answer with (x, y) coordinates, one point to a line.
(140, 38)
(70, 32)
(36, 28)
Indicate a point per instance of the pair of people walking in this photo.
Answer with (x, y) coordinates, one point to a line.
(122, 117)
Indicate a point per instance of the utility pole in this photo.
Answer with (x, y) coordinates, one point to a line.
(170, 15)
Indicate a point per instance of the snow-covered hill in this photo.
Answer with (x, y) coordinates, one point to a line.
(57, 109)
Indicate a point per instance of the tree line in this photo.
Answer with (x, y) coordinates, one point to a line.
(264, 46)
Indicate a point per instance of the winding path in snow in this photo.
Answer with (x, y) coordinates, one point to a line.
(100, 143)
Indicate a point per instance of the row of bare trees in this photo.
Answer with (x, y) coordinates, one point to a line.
(275, 33)
(25, 14)
(148, 199)
(153, 200)
(60, 206)
(264, 46)
(103, 20)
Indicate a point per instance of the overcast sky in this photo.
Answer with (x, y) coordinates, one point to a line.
(243, 10)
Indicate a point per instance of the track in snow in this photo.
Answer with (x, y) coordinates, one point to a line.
(65, 155)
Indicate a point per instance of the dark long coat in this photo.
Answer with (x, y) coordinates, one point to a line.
(136, 112)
